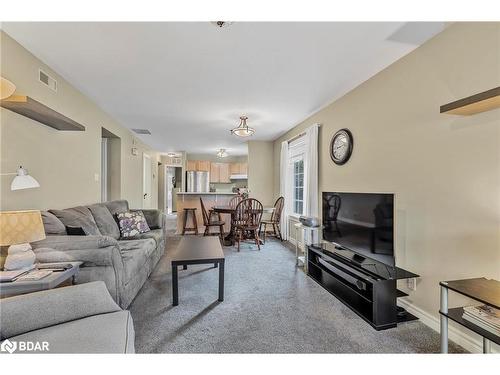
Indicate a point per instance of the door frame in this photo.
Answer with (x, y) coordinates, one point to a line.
(146, 158)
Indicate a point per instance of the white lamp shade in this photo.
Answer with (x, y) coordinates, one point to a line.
(23, 180)
(7, 88)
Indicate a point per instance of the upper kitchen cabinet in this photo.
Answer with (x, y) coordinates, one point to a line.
(234, 168)
(198, 165)
(203, 165)
(224, 173)
(238, 168)
(219, 173)
(214, 173)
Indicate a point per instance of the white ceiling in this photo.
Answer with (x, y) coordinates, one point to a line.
(188, 83)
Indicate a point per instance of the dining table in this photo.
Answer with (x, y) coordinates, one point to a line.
(229, 239)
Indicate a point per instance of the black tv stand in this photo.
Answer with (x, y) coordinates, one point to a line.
(367, 286)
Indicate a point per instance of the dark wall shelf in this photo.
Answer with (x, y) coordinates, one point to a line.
(28, 107)
(482, 102)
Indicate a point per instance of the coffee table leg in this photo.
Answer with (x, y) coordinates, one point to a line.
(221, 281)
(175, 286)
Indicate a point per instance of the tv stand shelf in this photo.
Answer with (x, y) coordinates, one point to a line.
(368, 288)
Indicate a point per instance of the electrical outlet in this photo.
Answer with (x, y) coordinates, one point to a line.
(411, 283)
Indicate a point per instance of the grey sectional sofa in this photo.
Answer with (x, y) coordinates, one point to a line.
(75, 319)
(122, 264)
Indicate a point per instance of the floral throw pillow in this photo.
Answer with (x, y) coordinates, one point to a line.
(132, 223)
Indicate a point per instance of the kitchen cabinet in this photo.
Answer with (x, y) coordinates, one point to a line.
(234, 168)
(198, 165)
(224, 173)
(238, 168)
(214, 173)
(203, 165)
(191, 165)
(219, 173)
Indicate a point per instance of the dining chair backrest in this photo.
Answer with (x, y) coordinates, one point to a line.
(235, 200)
(248, 213)
(206, 219)
(278, 209)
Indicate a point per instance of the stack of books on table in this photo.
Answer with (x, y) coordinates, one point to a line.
(484, 316)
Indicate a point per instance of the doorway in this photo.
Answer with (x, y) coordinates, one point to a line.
(147, 177)
(110, 166)
(173, 183)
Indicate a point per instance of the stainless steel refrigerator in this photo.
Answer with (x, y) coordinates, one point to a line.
(197, 182)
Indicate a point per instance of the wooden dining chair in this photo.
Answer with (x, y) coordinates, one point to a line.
(247, 217)
(235, 200)
(208, 222)
(275, 219)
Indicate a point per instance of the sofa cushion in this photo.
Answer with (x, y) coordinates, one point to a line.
(155, 234)
(132, 223)
(78, 217)
(135, 255)
(29, 312)
(105, 221)
(52, 224)
(115, 207)
(106, 333)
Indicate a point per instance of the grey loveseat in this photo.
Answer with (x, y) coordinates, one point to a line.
(75, 319)
(122, 264)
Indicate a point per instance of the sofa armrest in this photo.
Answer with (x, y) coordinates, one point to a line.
(154, 217)
(28, 312)
(64, 243)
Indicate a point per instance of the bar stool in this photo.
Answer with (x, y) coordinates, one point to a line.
(191, 211)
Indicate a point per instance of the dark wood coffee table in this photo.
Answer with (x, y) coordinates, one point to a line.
(197, 250)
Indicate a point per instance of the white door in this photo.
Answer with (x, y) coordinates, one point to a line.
(147, 177)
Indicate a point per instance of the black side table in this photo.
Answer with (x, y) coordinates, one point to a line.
(480, 289)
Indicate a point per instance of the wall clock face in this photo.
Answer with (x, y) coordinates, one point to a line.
(341, 146)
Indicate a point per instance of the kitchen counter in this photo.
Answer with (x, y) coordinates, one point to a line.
(192, 200)
(206, 193)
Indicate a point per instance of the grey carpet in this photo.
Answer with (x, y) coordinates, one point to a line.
(270, 306)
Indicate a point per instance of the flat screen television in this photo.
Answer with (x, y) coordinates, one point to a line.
(362, 223)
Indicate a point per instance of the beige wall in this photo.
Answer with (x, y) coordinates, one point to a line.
(261, 171)
(444, 169)
(65, 163)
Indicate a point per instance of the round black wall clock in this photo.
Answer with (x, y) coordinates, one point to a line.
(341, 146)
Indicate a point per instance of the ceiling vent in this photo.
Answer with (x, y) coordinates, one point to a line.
(141, 131)
(47, 80)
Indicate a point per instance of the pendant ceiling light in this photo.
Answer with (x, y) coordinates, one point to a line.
(222, 153)
(243, 130)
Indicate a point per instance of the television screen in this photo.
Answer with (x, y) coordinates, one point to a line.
(361, 222)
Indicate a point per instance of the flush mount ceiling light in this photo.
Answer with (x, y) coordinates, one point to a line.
(222, 153)
(171, 154)
(221, 24)
(243, 130)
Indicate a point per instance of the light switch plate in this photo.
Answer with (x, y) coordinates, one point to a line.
(96, 177)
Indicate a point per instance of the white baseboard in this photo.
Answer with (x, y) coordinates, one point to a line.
(466, 341)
